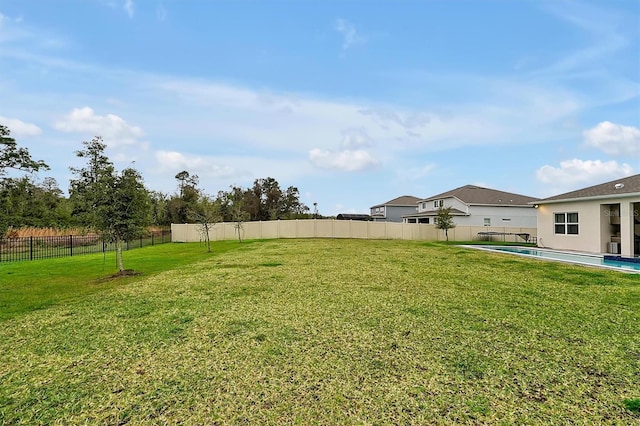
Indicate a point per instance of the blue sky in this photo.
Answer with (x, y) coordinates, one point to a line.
(352, 102)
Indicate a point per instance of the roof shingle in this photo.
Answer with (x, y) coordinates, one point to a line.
(472, 194)
(628, 185)
(404, 200)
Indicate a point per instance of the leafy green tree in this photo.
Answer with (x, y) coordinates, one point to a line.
(13, 157)
(88, 189)
(265, 200)
(179, 205)
(292, 208)
(115, 204)
(27, 202)
(159, 208)
(444, 220)
(125, 211)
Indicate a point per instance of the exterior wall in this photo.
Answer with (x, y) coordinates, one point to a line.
(328, 228)
(393, 213)
(452, 202)
(378, 213)
(518, 216)
(595, 219)
(589, 227)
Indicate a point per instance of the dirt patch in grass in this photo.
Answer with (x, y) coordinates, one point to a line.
(118, 275)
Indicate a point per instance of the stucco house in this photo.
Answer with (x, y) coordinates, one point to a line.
(394, 210)
(602, 218)
(474, 205)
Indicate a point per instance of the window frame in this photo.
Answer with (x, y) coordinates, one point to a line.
(566, 223)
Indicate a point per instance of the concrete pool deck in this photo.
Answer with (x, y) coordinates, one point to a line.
(577, 258)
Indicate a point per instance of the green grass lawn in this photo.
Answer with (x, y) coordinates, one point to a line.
(318, 332)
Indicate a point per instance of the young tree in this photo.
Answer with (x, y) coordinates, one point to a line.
(116, 204)
(125, 212)
(12, 157)
(206, 214)
(233, 203)
(444, 220)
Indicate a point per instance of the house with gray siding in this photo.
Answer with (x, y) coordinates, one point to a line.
(394, 210)
(474, 205)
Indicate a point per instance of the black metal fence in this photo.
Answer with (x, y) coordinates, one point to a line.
(32, 248)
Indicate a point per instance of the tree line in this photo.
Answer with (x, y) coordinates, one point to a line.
(118, 205)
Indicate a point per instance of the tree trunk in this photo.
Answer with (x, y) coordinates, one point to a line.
(446, 233)
(238, 226)
(119, 253)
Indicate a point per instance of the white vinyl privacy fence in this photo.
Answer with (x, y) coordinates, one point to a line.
(330, 228)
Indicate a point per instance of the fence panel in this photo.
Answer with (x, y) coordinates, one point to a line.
(34, 248)
(330, 228)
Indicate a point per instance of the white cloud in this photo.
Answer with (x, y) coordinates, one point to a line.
(129, 7)
(112, 128)
(200, 165)
(355, 139)
(576, 173)
(347, 160)
(19, 128)
(614, 139)
(300, 123)
(349, 33)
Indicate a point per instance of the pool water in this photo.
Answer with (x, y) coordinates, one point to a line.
(583, 259)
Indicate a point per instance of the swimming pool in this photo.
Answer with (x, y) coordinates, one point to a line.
(561, 256)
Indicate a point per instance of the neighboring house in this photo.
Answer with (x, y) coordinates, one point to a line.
(394, 210)
(602, 218)
(477, 206)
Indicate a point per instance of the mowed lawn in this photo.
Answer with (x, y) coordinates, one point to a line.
(322, 332)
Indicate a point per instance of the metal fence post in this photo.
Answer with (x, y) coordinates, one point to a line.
(70, 245)
(31, 248)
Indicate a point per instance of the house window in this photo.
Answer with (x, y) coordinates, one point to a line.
(441, 202)
(566, 223)
(506, 219)
(435, 204)
(487, 221)
(438, 203)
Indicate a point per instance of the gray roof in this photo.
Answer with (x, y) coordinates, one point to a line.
(472, 194)
(628, 185)
(405, 200)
